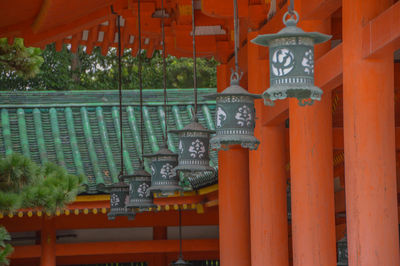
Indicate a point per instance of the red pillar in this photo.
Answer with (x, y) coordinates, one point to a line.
(48, 242)
(311, 163)
(369, 142)
(159, 233)
(234, 231)
(268, 207)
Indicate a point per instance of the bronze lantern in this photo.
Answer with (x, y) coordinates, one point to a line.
(194, 148)
(291, 58)
(119, 198)
(234, 117)
(140, 198)
(164, 180)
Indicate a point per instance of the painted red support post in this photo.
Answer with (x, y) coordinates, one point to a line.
(48, 242)
(369, 142)
(311, 168)
(159, 233)
(234, 227)
(268, 207)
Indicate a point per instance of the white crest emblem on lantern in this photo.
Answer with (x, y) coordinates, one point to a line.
(166, 171)
(180, 147)
(308, 62)
(282, 62)
(142, 189)
(114, 201)
(244, 116)
(197, 149)
(221, 116)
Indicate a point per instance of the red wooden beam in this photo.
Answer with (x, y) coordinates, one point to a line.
(142, 248)
(146, 219)
(25, 252)
(319, 9)
(133, 247)
(382, 31)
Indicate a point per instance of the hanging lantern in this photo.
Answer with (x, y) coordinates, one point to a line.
(193, 149)
(140, 197)
(291, 58)
(119, 198)
(164, 180)
(235, 117)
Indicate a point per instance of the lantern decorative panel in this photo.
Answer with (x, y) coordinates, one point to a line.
(194, 148)
(119, 198)
(140, 197)
(164, 180)
(291, 58)
(235, 117)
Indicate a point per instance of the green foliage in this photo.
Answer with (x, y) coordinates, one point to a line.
(67, 71)
(23, 184)
(16, 60)
(5, 248)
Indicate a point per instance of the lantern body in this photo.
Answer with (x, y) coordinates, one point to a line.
(140, 197)
(234, 118)
(164, 180)
(194, 148)
(119, 198)
(291, 59)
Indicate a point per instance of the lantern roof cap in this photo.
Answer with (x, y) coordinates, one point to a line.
(235, 90)
(120, 184)
(180, 261)
(164, 151)
(193, 126)
(291, 30)
(141, 172)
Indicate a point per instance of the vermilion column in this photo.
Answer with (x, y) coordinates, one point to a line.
(268, 208)
(48, 242)
(369, 142)
(233, 196)
(311, 168)
(159, 233)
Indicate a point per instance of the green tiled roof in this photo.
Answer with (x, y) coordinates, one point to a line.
(80, 129)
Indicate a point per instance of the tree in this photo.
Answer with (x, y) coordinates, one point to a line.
(18, 60)
(80, 71)
(24, 184)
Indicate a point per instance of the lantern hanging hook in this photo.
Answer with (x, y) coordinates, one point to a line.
(194, 60)
(292, 21)
(236, 76)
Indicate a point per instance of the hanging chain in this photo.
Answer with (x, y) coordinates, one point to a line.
(236, 33)
(121, 173)
(164, 73)
(120, 93)
(140, 82)
(291, 7)
(180, 233)
(194, 61)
